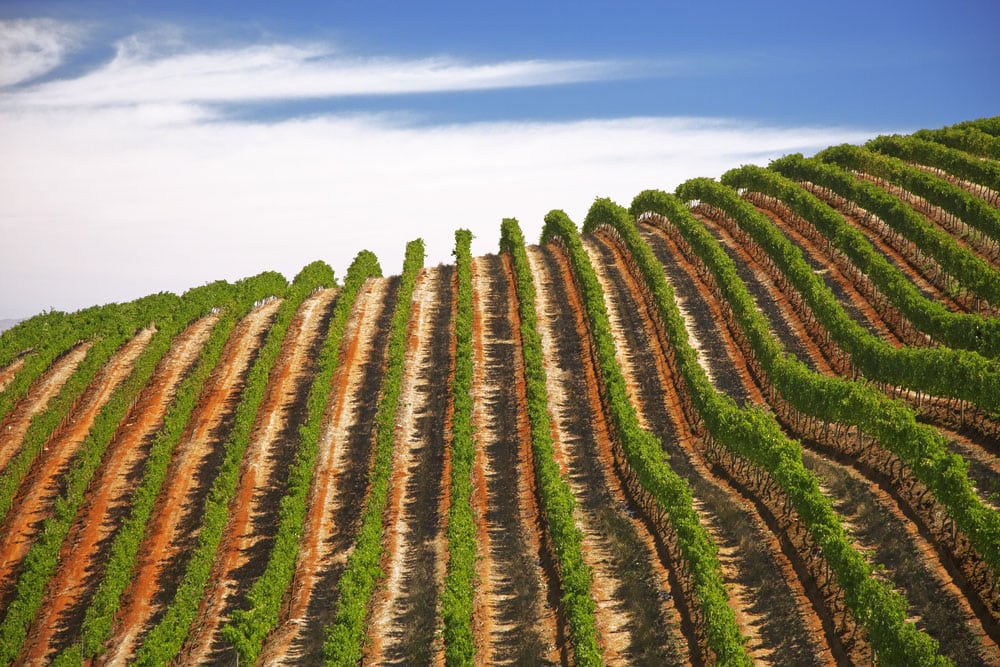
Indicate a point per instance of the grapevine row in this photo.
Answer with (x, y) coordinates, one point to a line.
(343, 645)
(644, 452)
(958, 330)
(164, 641)
(974, 213)
(840, 401)
(972, 272)
(945, 160)
(41, 560)
(456, 605)
(557, 500)
(754, 435)
(249, 627)
(124, 553)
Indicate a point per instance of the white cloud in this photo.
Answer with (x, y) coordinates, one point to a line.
(111, 204)
(140, 73)
(30, 48)
(120, 183)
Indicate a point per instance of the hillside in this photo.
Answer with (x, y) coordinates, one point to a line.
(756, 420)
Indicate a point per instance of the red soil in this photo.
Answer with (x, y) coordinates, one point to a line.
(34, 499)
(8, 373)
(315, 557)
(402, 618)
(44, 389)
(175, 507)
(511, 618)
(248, 506)
(110, 492)
(753, 564)
(629, 627)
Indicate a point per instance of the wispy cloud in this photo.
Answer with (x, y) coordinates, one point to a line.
(142, 71)
(30, 48)
(113, 186)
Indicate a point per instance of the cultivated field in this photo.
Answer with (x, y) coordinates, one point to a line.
(752, 421)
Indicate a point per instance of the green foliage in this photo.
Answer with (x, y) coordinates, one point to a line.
(937, 371)
(969, 138)
(345, 637)
(234, 302)
(958, 330)
(839, 400)
(973, 211)
(932, 154)
(643, 450)
(42, 340)
(557, 498)
(456, 599)
(42, 558)
(250, 626)
(972, 272)
(164, 641)
(754, 435)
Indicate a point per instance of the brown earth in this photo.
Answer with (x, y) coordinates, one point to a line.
(402, 620)
(629, 587)
(33, 501)
(340, 479)
(43, 390)
(769, 602)
(172, 529)
(251, 525)
(514, 622)
(83, 553)
(9, 372)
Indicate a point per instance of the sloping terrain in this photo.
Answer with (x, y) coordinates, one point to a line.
(755, 421)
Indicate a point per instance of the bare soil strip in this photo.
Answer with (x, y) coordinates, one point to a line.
(8, 373)
(514, 622)
(172, 531)
(83, 553)
(965, 235)
(630, 588)
(767, 597)
(340, 479)
(402, 620)
(252, 524)
(988, 195)
(43, 483)
(43, 390)
(957, 627)
(850, 297)
(905, 250)
(892, 541)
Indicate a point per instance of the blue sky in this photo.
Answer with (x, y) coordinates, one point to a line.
(157, 145)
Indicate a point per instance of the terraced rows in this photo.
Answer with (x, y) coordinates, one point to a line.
(755, 422)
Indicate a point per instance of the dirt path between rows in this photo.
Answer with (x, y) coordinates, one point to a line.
(172, 530)
(917, 567)
(901, 251)
(513, 618)
(965, 235)
(82, 555)
(253, 511)
(848, 295)
(8, 373)
(43, 483)
(43, 390)
(631, 588)
(402, 620)
(340, 480)
(767, 597)
(891, 540)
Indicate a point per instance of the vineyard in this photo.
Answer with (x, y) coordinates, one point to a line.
(752, 421)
